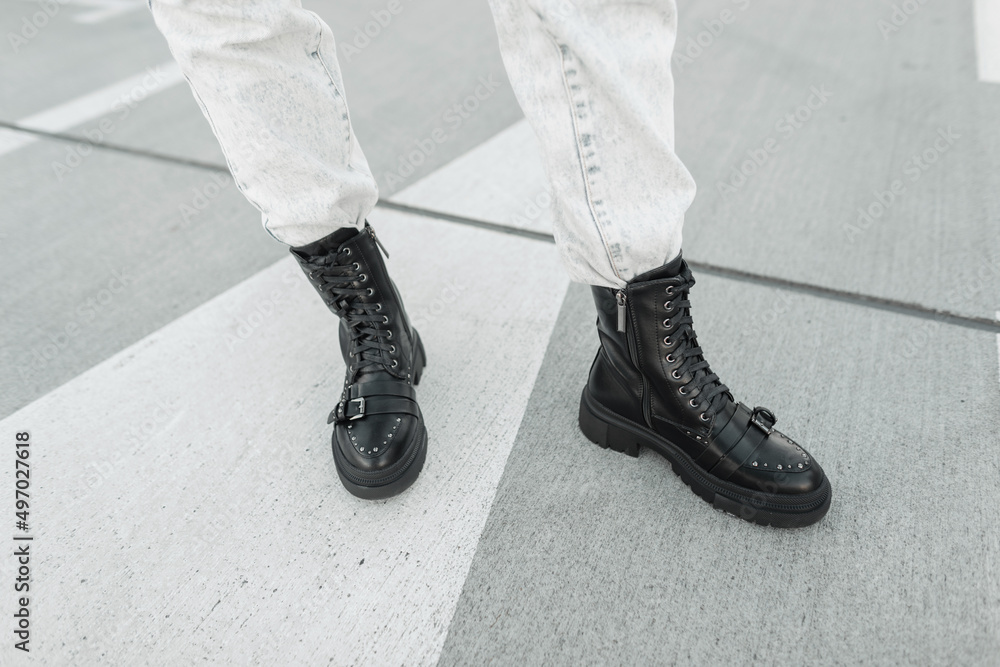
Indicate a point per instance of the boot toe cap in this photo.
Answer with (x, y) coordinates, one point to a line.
(781, 466)
(378, 442)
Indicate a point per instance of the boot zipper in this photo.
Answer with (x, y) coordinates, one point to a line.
(620, 298)
(371, 230)
(633, 354)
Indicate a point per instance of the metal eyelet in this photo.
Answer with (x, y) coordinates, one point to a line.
(693, 403)
(670, 358)
(670, 290)
(356, 266)
(389, 334)
(666, 323)
(346, 251)
(675, 374)
(667, 341)
(669, 305)
(371, 292)
(682, 391)
(704, 417)
(385, 320)
(378, 307)
(363, 278)
(394, 363)
(392, 348)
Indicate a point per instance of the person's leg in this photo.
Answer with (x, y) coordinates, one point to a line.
(266, 76)
(593, 78)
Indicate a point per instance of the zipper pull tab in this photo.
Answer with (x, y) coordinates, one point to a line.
(371, 230)
(620, 298)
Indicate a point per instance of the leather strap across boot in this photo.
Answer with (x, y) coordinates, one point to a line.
(650, 386)
(379, 438)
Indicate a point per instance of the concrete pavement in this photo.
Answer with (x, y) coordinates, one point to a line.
(163, 353)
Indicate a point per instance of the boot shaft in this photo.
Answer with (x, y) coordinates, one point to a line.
(348, 271)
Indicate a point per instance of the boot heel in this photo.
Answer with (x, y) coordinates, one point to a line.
(419, 359)
(604, 434)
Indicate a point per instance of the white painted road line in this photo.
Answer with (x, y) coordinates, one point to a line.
(117, 98)
(987, 13)
(193, 494)
(98, 11)
(504, 173)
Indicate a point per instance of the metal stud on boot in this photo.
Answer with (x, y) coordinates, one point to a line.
(650, 386)
(379, 439)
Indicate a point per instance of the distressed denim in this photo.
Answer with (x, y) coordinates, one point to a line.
(592, 77)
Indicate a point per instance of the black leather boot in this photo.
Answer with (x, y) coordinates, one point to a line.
(650, 386)
(379, 439)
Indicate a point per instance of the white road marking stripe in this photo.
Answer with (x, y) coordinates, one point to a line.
(103, 10)
(366, 579)
(214, 429)
(987, 13)
(92, 105)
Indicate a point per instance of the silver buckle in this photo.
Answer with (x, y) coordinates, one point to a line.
(759, 423)
(361, 407)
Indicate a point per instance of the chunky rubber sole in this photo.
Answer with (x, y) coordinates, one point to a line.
(611, 431)
(371, 487)
(397, 478)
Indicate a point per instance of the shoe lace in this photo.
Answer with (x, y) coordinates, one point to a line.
(704, 387)
(341, 280)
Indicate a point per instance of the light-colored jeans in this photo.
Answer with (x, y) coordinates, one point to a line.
(592, 77)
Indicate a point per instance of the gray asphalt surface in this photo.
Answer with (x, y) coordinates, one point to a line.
(874, 339)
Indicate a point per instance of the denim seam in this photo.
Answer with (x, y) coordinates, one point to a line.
(582, 159)
(211, 123)
(343, 98)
